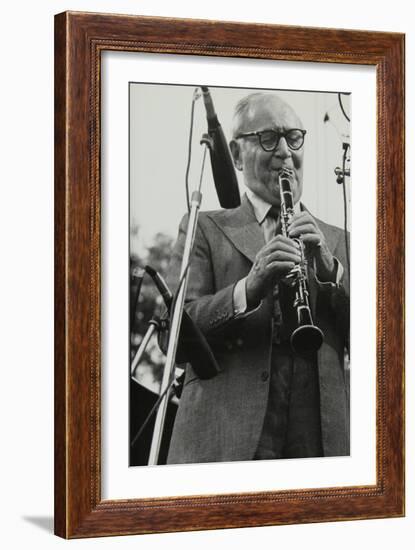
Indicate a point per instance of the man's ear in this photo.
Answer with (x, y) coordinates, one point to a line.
(235, 148)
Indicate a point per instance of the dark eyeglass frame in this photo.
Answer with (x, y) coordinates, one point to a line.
(279, 135)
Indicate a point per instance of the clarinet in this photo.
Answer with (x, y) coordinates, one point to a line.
(306, 338)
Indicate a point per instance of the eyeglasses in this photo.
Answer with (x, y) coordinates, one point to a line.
(269, 139)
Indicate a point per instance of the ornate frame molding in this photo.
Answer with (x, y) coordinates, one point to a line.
(79, 40)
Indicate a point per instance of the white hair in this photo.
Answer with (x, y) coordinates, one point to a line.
(246, 107)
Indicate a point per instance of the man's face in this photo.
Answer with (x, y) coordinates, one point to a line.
(260, 168)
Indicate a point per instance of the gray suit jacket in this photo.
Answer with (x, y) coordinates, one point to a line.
(220, 419)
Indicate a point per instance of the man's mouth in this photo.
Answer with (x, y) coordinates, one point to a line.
(278, 167)
(284, 171)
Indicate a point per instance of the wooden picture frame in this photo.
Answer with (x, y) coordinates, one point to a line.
(80, 38)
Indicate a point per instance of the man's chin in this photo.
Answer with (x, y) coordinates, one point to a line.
(274, 198)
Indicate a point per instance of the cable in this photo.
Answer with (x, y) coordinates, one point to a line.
(173, 305)
(203, 168)
(339, 95)
(189, 149)
(346, 239)
(150, 414)
(176, 294)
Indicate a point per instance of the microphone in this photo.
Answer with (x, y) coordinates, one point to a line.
(193, 346)
(224, 175)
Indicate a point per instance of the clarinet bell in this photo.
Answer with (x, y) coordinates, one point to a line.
(306, 339)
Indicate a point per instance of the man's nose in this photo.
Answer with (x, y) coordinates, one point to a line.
(282, 150)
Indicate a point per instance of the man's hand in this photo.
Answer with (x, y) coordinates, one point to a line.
(272, 263)
(303, 225)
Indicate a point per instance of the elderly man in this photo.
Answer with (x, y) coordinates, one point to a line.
(267, 402)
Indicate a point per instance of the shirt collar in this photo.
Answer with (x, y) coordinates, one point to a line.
(262, 207)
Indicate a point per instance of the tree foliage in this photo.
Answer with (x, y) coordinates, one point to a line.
(150, 304)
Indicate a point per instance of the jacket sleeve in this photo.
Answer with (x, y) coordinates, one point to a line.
(335, 299)
(340, 299)
(210, 308)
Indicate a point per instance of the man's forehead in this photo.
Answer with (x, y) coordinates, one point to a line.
(270, 111)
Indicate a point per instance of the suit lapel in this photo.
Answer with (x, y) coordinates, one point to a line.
(329, 235)
(241, 227)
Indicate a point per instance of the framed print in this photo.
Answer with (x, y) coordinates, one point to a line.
(229, 276)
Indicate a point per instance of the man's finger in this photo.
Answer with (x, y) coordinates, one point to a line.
(279, 242)
(311, 238)
(283, 256)
(302, 229)
(300, 216)
(280, 267)
(303, 217)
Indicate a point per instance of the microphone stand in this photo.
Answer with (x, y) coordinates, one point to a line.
(206, 360)
(176, 319)
(154, 326)
(178, 303)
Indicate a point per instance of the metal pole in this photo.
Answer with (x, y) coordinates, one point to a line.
(175, 328)
(154, 325)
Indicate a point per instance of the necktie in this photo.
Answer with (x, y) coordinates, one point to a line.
(273, 214)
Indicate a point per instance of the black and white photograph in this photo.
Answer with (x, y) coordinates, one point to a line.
(239, 277)
(207, 236)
